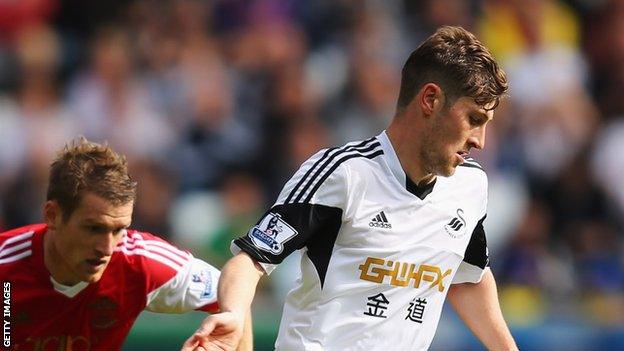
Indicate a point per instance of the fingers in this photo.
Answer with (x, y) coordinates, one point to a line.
(193, 344)
(190, 344)
(199, 337)
(218, 332)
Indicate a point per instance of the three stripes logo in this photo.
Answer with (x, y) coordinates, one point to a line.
(380, 221)
(327, 163)
(456, 228)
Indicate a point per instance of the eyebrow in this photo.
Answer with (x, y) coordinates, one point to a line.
(482, 115)
(90, 221)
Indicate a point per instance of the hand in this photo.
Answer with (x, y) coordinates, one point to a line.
(218, 332)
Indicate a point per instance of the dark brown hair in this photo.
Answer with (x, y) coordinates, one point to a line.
(83, 166)
(456, 60)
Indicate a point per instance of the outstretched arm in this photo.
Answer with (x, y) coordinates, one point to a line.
(237, 287)
(477, 305)
(246, 343)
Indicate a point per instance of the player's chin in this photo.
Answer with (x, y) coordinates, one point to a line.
(447, 170)
(455, 162)
(93, 276)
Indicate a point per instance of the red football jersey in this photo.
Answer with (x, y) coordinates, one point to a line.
(145, 272)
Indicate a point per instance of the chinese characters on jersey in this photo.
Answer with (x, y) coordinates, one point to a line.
(377, 305)
(416, 310)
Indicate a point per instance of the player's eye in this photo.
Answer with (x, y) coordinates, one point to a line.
(474, 121)
(95, 228)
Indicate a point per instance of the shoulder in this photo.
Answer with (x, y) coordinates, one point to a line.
(149, 252)
(327, 160)
(470, 178)
(470, 183)
(470, 162)
(472, 170)
(16, 244)
(326, 169)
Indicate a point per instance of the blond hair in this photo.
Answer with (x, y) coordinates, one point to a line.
(83, 166)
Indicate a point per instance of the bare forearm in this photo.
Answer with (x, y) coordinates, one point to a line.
(478, 306)
(246, 343)
(230, 329)
(237, 284)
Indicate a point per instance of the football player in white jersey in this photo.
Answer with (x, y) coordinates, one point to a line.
(388, 227)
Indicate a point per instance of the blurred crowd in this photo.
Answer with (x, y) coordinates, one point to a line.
(216, 103)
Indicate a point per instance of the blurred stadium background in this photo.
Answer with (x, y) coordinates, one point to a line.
(217, 102)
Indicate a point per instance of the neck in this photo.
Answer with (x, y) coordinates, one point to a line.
(53, 262)
(406, 145)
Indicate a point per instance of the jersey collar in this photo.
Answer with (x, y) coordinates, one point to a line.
(68, 291)
(395, 167)
(391, 158)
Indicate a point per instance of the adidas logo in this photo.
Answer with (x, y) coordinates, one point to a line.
(380, 221)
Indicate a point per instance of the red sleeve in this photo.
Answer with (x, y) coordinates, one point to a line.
(158, 260)
(175, 281)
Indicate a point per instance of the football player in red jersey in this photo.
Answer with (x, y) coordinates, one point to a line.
(78, 281)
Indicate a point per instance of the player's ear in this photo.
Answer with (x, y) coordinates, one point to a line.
(51, 213)
(430, 99)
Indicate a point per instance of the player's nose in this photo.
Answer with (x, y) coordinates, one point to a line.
(106, 245)
(477, 138)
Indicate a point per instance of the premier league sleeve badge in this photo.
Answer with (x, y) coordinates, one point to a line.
(271, 233)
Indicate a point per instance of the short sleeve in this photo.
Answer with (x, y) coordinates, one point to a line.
(476, 258)
(308, 213)
(194, 287)
(173, 280)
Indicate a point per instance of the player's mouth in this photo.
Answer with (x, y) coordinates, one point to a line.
(96, 264)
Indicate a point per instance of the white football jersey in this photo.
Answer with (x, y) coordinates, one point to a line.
(379, 252)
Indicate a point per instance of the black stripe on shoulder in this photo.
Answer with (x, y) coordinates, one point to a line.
(321, 160)
(322, 173)
(305, 176)
(335, 165)
(370, 145)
